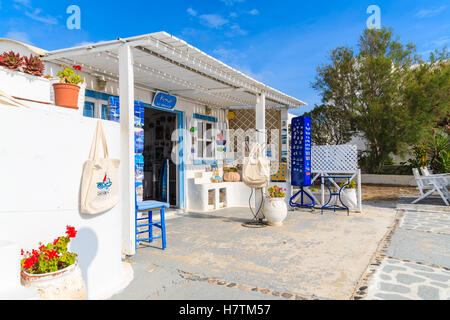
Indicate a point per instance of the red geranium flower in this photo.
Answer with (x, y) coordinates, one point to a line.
(52, 254)
(71, 232)
(56, 241)
(28, 263)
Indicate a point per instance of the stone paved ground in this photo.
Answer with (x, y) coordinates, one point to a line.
(212, 256)
(417, 262)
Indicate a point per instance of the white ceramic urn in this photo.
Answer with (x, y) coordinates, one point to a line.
(275, 211)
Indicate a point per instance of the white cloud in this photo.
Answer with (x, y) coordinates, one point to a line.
(231, 2)
(254, 12)
(26, 3)
(235, 30)
(426, 13)
(35, 15)
(213, 20)
(192, 12)
(442, 41)
(19, 36)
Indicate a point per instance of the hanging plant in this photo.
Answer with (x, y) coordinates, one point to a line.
(33, 65)
(11, 61)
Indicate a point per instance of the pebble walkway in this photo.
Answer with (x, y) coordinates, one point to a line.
(399, 279)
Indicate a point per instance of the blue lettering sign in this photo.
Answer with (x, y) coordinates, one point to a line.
(301, 152)
(164, 100)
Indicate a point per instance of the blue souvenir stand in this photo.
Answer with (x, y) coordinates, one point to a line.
(301, 160)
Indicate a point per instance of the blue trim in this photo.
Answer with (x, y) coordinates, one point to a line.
(98, 95)
(181, 168)
(205, 118)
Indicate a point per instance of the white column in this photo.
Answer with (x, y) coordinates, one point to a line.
(260, 110)
(127, 170)
(286, 148)
(360, 192)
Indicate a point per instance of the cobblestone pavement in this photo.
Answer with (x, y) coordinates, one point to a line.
(433, 222)
(416, 262)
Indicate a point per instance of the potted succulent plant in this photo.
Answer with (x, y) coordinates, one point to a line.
(34, 66)
(17, 73)
(68, 89)
(11, 61)
(53, 271)
(275, 208)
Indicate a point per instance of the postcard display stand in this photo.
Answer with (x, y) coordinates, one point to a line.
(301, 160)
(114, 106)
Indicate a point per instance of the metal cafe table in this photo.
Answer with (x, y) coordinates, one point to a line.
(327, 180)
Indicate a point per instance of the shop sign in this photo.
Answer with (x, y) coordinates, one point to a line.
(164, 100)
(301, 152)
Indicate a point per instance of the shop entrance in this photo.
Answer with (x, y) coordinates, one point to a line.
(160, 172)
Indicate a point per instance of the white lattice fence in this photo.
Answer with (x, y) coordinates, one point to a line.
(243, 126)
(334, 159)
(329, 161)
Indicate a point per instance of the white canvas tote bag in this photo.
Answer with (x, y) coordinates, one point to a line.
(256, 170)
(100, 180)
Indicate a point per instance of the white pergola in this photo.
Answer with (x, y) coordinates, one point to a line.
(160, 61)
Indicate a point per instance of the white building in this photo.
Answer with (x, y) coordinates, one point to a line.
(43, 147)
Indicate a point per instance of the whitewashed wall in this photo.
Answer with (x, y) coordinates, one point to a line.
(42, 151)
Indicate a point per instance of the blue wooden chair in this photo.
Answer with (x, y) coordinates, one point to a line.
(149, 207)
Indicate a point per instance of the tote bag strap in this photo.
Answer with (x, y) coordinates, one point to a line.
(255, 151)
(99, 137)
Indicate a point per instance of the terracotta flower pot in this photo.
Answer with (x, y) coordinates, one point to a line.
(66, 95)
(65, 284)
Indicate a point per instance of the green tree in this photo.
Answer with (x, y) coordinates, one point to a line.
(330, 126)
(382, 94)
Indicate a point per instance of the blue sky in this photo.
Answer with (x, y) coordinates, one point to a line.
(280, 43)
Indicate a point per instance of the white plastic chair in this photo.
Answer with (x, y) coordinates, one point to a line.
(433, 183)
(443, 178)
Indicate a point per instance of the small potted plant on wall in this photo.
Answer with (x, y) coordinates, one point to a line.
(53, 271)
(68, 89)
(11, 61)
(275, 208)
(21, 77)
(33, 65)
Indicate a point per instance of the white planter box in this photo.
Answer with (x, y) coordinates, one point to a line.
(25, 86)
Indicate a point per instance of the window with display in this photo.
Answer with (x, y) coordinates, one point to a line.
(96, 108)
